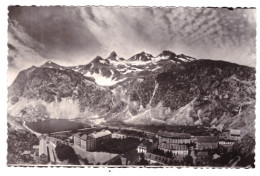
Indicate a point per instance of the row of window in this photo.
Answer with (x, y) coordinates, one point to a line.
(173, 147)
(174, 140)
(227, 143)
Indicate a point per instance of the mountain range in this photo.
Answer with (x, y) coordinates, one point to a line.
(142, 90)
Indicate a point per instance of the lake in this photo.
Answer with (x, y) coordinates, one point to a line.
(56, 125)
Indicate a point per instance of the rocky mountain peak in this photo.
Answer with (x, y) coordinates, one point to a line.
(166, 53)
(50, 64)
(113, 54)
(143, 56)
(97, 59)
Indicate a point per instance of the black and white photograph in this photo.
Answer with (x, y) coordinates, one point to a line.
(131, 86)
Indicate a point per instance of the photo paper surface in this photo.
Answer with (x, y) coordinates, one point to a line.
(131, 86)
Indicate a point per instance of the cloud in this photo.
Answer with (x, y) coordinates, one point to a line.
(75, 35)
(59, 31)
(21, 53)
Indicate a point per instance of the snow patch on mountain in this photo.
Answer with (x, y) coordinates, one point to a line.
(116, 63)
(138, 62)
(103, 61)
(102, 80)
(156, 59)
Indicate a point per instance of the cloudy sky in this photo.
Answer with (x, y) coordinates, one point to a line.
(75, 35)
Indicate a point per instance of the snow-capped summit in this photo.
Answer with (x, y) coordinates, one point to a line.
(185, 58)
(165, 55)
(141, 57)
(100, 60)
(112, 70)
(168, 55)
(50, 64)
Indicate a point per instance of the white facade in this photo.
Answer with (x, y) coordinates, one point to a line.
(180, 152)
(226, 142)
(175, 151)
(100, 133)
(174, 141)
(118, 136)
(141, 149)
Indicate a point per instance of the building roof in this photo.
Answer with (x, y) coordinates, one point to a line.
(35, 146)
(174, 135)
(172, 146)
(234, 132)
(52, 140)
(207, 139)
(117, 133)
(100, 134)
(146, 144)
(226, 140)
(43, 147)
(26, 152)
(84, 137)
(77, 134)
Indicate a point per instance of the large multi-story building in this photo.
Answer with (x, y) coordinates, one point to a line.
(174, 142)
(176, 149)
(87, 142)
(231, 134)
(90, 141)
(173, 138)
(101, 136)
(206, 142)
(76, 138)
(226, 143)
(144, 147)
(235, 134)
(118, 135)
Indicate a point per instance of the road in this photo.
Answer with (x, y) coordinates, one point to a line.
(233, 162)
(34, 132)
(236, 161)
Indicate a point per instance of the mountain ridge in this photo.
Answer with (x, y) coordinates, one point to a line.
(166, 91)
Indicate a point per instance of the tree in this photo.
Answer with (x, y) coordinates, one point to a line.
(65, 152)
(170, 163)
(144, 162)
(188, 160)
(142, 155)
(169, 154)
(85, 161)
(73, 159)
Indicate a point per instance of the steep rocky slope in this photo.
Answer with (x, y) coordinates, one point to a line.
(58, 91)
(199, 92)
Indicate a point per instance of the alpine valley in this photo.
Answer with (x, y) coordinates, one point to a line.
(168, 89)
